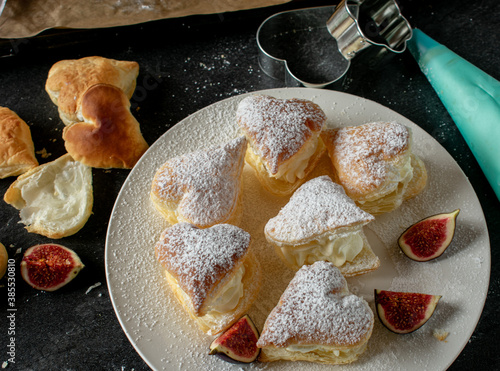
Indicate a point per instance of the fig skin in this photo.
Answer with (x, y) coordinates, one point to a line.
(412, 310)
(238, 344)
(429, 238)
(49, 267)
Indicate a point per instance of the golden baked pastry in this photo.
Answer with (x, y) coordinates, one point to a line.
(212, 272)
(284, 144)
(317, 319)
(69, 79)
(108, 135)
(375, 164)
(17, 152)
(321, 223)
(54, 199)
(4, 258)
(203, 187)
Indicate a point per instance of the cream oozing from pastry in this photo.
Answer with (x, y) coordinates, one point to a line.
(231, 294)
(333, 247)
(226, 301)
(393, 190)
(290, 171)
(296, 169)
(327, 352)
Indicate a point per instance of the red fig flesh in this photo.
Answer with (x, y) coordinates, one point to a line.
(239, 343)
(404, 312)
(430, 237)
(48, 267)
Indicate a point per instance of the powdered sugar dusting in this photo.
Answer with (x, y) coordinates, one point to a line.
(316, 308)
(199, 258)
(161, 330)
(277, 129)
(316, 207)
(206, 184)
(362, 152)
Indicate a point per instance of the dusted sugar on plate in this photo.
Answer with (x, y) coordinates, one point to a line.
(321, 223)
(317, 319)
(284, 143)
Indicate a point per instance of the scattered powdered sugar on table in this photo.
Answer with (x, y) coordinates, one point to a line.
(168, 339)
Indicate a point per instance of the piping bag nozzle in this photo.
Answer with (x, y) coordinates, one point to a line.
(471, 97)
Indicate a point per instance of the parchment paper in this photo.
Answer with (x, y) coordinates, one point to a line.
(25, 18)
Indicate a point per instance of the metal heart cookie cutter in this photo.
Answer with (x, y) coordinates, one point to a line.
(313, 47)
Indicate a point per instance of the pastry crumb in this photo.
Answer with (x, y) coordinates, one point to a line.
(43, 153)
(441, 334)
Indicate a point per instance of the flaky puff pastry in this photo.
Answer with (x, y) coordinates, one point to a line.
(317, 319)
(202, 187)
(375, 164)
(17, 152)
(108, 135)
(321, 223)
(212, 272)
(69, 79)
(284, 144)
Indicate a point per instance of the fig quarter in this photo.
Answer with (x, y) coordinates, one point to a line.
(238, 344)
(430, 237)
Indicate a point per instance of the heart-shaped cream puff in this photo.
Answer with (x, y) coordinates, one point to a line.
(375, 164)
(212, 272)
(317, 319)
(108, 135)
(203, 187)
(321, 223)
(284, 144)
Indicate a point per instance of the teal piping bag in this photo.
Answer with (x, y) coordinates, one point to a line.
(471, 96)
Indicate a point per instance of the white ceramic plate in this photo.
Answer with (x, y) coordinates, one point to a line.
(166, 338)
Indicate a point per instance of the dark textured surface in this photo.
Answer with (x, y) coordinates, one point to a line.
(187, 64)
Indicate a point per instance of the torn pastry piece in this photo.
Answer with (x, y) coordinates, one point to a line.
(212, 272)
(17, 152)
(317, 319)
(69, 79)
(203, 187)
(54, 199)
(284, 144)
(375, 164)
(321, 223)
(108, 135)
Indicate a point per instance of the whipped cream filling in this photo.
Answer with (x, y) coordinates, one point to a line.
(334, 247)
(312, 348)
(292, 169)
(230, 296)
(295, 168)
(393, 191)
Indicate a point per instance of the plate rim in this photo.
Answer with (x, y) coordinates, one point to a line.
(313, 92)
